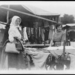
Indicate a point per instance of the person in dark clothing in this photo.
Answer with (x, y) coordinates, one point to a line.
(72, 35)
(5, 34)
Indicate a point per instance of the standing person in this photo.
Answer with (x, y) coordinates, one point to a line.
(59, 38)
(6, 32)
(4, 38)
(46, 25)
(14, 60)
(36, 31)
(59, 35)
(45, 32)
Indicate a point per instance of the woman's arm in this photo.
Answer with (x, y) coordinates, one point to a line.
(13, 32)
(11, 37)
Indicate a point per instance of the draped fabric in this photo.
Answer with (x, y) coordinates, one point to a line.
(38, 57)
(59, 50)
(25, 33)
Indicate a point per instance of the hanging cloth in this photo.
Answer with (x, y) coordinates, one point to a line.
(25, 33)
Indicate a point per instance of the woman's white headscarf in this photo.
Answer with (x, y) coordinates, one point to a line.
(13, 20)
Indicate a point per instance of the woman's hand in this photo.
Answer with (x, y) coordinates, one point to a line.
(11, 39)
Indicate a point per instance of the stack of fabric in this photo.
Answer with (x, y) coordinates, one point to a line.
(39, 58)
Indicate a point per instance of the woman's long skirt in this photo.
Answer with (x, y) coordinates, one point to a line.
(12, 60)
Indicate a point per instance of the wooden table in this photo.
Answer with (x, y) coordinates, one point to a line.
(36, 45)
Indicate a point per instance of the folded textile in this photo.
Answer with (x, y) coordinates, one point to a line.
(60, 48)
(39, 58)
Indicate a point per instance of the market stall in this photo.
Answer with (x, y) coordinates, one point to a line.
(38, 54)
(70, 28)
(28, 18)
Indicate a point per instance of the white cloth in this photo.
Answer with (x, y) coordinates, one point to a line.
(39, 58)
(68, 49)
(25, 33)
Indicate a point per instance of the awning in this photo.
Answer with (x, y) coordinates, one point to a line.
(38, 11)
(25, 12)
(70, 25)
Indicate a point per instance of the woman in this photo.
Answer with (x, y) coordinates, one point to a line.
(14, 60)
(58, 37)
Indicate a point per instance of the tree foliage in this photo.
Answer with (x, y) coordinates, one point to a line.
(67, 19)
